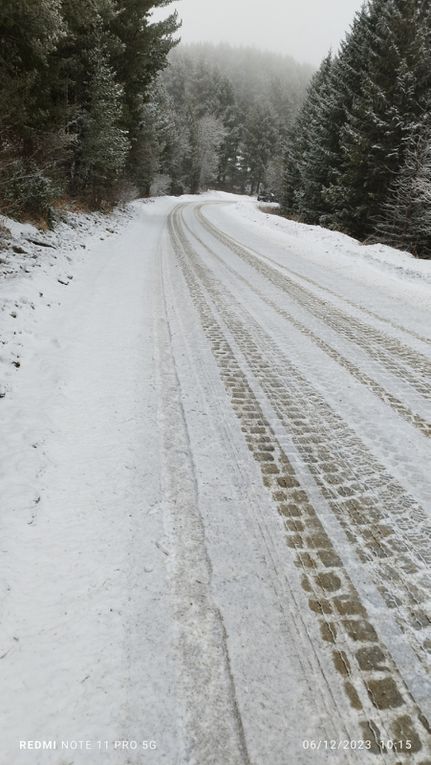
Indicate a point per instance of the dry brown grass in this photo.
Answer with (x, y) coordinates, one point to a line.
(271, 210)
(4, 232)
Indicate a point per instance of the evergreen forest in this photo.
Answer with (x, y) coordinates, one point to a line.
(100, 103)
(358, 158)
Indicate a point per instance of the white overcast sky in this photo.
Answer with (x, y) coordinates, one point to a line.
(305, 29)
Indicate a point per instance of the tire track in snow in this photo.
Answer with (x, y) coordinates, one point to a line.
(359, 490)
(398, 406)
(373, 685)
(337, 295)
(325, 711)
(401, 360)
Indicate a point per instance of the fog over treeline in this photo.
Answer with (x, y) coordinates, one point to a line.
(227, 111)
(99, 103)
(305, 29)
(93, 108)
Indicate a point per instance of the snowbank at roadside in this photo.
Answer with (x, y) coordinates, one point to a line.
(335, 246)
(78, 481)
(23, 247)
(36, 266)
(35, 269)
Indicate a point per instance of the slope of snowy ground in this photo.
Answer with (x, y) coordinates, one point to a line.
(36, 267)
(339, 247)
(215, 492)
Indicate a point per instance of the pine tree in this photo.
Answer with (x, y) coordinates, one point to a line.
(259, 140)
(29, 32)
(62, 110)
(141, 54)
(303, 184)
(406, 219)
(103, 144)
(343, 87)
(312, 166)
(395, 84)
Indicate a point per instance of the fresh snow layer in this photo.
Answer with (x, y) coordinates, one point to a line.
(150, 588)
(341, 246)
(80, 492)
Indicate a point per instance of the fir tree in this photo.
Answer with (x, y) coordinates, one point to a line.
(406, 219)
(142, 53)
(103, 144)
(29, 32)
(259, 140)
(229, 171)
(394, 89)
(312, 166)
(303, 184)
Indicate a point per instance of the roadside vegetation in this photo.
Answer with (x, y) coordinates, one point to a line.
(75, 82)
(358, 157)
(99, 104)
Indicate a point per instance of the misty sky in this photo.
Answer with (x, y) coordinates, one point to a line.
(305, 29)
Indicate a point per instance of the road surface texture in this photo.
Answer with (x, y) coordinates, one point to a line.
(227, 550)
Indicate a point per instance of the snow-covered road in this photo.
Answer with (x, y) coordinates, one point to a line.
(216, 521)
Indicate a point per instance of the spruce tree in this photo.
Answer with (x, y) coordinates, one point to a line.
(342, 88)
(259, 140)
(141, 54)
(395, 85)
(312, 166)
(29, 32)
(302, 194)
(103, 144)
(314, 156)
(406, 218)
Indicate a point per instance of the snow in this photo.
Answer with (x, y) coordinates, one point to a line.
(340, 247)
(147, 590)
(17, 229)
(372, 275)
(79, 479)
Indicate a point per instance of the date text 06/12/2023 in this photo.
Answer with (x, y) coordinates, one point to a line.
(358, 745)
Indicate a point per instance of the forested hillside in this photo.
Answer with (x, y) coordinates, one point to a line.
(98, 104)
(75, 80)
(226, 113)
(359, 156)
(93, 107)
